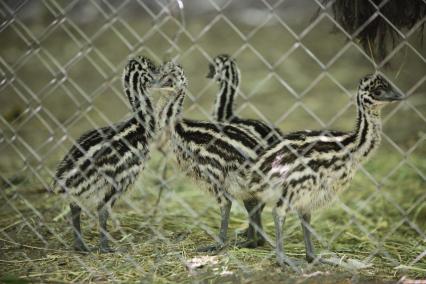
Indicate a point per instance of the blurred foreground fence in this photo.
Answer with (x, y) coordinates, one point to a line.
(60, 70)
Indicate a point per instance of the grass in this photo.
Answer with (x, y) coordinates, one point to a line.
(379, 220)
(155, 244)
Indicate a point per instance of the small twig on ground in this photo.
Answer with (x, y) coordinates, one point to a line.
(11, 225)
(32, 247)
(62, 214)
(29, 260)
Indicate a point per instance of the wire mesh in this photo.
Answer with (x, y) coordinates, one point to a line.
(61, 65)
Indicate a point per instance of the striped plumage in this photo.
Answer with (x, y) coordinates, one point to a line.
(216, 154)
(308, 168)
(225, 72)
(104, 162)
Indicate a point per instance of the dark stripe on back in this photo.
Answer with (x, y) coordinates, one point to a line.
(212, 144)
(272, 135)
(230, 131)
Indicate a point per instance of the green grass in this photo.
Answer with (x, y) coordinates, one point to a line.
(154, 243)
(380, 219)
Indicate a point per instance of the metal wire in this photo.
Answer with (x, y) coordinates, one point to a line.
(60, 69)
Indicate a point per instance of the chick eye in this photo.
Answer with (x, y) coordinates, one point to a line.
(168, 82)
(378, 93)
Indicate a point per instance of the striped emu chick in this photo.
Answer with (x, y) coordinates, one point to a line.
(225, 72)
(104, 162)
(216, 154)
(307, 169)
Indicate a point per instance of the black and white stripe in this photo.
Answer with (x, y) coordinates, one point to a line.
(308, 168)
(225, 72)
(216, 154)
(104, 162)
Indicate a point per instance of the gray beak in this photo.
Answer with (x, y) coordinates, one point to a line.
(210, 75)
(393, 95)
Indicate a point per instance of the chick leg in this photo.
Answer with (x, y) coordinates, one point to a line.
(282, 259)
(225, 209)
(79, 244)
(103, 231)
(309, 247)
(253, 233)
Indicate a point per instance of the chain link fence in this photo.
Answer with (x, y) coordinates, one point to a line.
(61, 65)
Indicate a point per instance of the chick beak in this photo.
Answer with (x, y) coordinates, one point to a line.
(158, 85)
(394, 95)
(210, 74)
